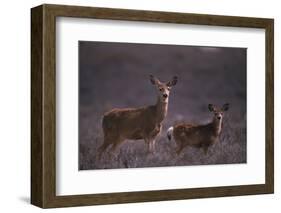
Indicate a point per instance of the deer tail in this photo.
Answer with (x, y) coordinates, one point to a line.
(170, 132)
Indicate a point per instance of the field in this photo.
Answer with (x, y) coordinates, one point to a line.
(116, 75)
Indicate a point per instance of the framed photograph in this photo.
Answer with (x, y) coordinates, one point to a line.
(136, 106)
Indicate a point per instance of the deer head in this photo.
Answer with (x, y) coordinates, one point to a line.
(163, 88)
(218, 112)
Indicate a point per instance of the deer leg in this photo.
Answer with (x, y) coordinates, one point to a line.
(108, 140)
(115, 145)
(152, 142)
(205, 149)
(148, 142)
(102, 148)
(153, 145)
(150, 148)
(154, 136)
(179, 148)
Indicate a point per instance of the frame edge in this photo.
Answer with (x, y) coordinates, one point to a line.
(37, 189)
(269, 34)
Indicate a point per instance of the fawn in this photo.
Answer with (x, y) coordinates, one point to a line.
(137, 123)
(200, 136)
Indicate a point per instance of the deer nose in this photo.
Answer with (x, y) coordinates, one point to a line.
(219, 117)
(165, 95)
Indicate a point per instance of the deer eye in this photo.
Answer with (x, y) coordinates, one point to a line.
(161, 89)
(169, 88)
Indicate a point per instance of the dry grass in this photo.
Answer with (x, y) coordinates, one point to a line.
(116, 76)
(231, 148)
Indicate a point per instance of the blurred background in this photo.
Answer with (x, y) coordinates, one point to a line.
(116, 75)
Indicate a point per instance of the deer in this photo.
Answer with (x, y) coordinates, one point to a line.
(199, 136)
(144, 123)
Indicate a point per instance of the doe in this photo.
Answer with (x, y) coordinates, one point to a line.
(200, 136)
(137, 123)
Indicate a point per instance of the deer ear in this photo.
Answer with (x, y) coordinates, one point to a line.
(211, 107)
(173, 82)
(225, 107)
(153, 79)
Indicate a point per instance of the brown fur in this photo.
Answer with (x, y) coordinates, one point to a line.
(136, 123)
(199, 136)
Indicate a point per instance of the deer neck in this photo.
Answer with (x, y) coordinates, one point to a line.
(217, 124)
(161, 110)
